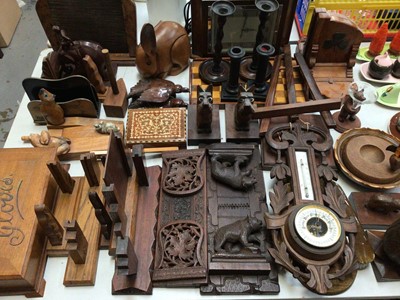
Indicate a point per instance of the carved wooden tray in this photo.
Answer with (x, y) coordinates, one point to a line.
(361, 155)
(24, 182)
(281, 93)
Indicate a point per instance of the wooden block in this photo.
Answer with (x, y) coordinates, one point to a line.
(23, 173)
(91, 169)
(85, 274)
(76, 242)
(115, 105)
(146, 221)
(101, 214)
(195, 138)
(63, 179)
(156, 127)
(125, 258)
(236, 136)
(137, 151)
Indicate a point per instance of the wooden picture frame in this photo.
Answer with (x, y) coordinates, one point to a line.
(202, 25)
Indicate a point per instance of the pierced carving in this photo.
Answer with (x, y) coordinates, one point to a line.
(183, 176)
(181, 242)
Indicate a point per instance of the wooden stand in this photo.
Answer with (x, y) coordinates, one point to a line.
(194, 137)
(236, 136)
(115, 105)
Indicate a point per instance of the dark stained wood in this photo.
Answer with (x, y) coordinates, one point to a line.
(116, 209)
(63, 179)
(236, 136)
(112, 24)
(194, 137)
(182, 210)
(110, 72)
(146, 220)
(287, 58)
(101, 214)
(91, 169)
(76, 242)
(138, 161)
(298, 108)
(125, 258)
(270, 98)
(244, 270)
(49, 224)
(92, 73)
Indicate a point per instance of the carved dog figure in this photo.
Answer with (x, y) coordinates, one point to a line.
(204, 109)
(236, 232)
(231, 174)
(243, 110)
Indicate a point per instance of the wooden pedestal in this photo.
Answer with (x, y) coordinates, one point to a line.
(236, 136)
(195, 138)
(116, 105)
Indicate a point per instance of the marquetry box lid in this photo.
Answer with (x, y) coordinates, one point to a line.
(24, 181)
(156, 127)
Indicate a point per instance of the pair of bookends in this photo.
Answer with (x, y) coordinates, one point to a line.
(315, 234)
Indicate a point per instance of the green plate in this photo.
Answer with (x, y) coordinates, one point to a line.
(363, 53)
(391, 98)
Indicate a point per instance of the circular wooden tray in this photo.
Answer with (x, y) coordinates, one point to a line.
(362, 156)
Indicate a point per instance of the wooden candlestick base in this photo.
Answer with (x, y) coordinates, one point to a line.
(115, 105)
(347, 124)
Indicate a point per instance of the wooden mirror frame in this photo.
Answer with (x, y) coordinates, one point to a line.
(200, 24)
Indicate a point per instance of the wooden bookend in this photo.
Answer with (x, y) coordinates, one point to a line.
(76, 242)
(144, 240)
(116, 105)
(194, 136)
(182, 213)
(116, 209)
(92, 73)
(137, 151)
(236, 203)
(63, 179)
(91, 168)
(126, 261)
(101, 214)
(52, 228)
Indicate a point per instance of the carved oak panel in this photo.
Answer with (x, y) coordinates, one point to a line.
(239, 262)
(181, 247)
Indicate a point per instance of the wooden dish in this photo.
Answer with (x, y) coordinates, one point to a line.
(362, 156)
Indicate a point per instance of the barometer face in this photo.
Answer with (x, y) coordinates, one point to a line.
(317, 226)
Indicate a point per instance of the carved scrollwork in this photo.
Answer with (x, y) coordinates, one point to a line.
(181, 245)
(183, 175)
(281, 197)
(336, 199)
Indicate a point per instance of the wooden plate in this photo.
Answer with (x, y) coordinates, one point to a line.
(362, 156)
(387, 80)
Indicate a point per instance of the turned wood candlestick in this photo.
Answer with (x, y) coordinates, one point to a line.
(230, 89)
(249, 65)
(264, 51)
(216, 70)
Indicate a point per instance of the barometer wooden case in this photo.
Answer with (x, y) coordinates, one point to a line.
(313, 230)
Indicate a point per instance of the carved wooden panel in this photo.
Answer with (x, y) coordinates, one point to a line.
(235, 268)
(24, 182)
(181, 243)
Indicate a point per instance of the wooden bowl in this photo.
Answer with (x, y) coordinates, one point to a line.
(362, 156)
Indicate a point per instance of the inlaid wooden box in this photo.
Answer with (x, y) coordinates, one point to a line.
(24, 181)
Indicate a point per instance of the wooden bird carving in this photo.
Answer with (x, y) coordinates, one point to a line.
(394, 159)
(156, 93)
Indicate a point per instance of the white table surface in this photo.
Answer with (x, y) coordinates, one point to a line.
(365, 285)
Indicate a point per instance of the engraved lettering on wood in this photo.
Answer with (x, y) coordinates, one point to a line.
(9, 210)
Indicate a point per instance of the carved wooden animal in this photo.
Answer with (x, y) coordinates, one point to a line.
(383, 203)
(204, 109)
(51, 111)
(349, 109)
(391, 242)
(45, 140)
(236, 232)
(156, 92)
(243, 110)
(230, 173)
(394, 159)
(105, 127)
(163, 50)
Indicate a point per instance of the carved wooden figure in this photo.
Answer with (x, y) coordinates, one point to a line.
(243, 110)
(204, 109)
(238, 260)
(49, 224)
(51, 111)
(163, 50)
(44, 139)
(156, 92)
(76, 242)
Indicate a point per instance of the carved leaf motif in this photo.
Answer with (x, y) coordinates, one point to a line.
(327, 173)
(281, 197)
(281, 256)
(319, 280)
(281, 171)
(335, 198)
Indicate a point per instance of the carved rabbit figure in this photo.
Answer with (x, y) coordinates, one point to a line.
(163, 50)
(204, 109)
